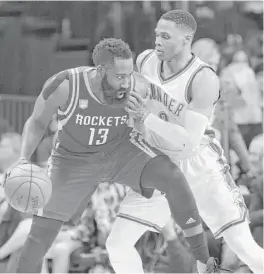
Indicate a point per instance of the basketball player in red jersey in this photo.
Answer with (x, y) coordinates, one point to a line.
(177, 124)
(94, 143)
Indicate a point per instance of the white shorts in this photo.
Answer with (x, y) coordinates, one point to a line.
(219, 201)
(153, 213)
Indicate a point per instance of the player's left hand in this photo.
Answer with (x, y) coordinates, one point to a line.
(136, 107)
(20, 161)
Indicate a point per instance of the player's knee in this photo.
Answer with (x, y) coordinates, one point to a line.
(160, 173)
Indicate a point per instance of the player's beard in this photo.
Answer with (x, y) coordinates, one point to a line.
(110, 94)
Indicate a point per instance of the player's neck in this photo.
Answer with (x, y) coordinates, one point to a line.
(178, 63)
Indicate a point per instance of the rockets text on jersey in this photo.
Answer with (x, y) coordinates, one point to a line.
(87, 125)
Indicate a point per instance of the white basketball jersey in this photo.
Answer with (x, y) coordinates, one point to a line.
(170, 102)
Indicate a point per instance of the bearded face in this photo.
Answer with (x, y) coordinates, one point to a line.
(116, 82)
(114, 97)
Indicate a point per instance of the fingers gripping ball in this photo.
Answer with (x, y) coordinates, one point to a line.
(27, 188)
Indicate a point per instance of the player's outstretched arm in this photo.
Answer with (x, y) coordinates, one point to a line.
(53, 95)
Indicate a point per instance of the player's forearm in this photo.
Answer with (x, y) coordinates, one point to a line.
(172, 133)
(189, 135)
(32, 135)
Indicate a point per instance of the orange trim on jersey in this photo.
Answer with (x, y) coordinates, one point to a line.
(172, 77)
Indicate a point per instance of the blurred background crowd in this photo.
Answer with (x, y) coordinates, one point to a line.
(39, 39)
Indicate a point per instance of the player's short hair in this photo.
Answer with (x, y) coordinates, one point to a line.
(108, 49)
(181, 18)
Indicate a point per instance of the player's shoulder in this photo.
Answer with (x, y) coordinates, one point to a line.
(145, 53)
(67, 73)
(142, 57)
(206, 75)
(71, 71)
(79, 70)
(56, 84)
(206, 85)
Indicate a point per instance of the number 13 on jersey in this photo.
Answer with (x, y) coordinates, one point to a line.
(99, 137)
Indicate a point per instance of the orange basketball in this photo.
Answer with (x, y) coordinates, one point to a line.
(28, 188)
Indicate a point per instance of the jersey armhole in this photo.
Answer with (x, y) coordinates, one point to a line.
(64, 108)
(74, 81)
(189, 92)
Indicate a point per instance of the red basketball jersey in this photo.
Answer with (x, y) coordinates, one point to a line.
(87, 125)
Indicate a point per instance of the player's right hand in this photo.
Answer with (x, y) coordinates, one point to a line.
(136, 107)
(20, 161)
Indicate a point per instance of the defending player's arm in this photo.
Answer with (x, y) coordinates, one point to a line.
(53, 95)
(188, 136)
(205, 91)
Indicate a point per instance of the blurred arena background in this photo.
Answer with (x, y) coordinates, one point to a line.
(39, 39)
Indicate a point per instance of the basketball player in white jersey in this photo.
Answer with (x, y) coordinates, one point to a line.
(174, 119)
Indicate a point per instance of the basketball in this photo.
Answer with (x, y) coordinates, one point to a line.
(28, 188)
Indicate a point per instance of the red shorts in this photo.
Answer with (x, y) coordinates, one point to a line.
(75, 178)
